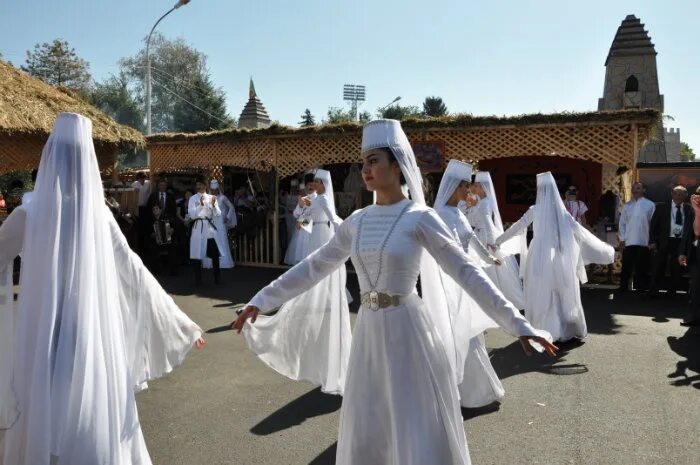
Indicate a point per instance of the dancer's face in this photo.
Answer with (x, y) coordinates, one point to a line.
(476, 189)
(320, 188)
(463, 190)
(379, 172)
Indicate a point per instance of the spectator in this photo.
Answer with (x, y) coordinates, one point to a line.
(576, 208)
(690, 256)
(665, 238)
(634, 239)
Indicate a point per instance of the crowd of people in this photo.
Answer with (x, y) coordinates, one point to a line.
(93, 325)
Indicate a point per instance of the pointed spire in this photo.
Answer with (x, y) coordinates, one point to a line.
(254, 115)
(631, 39)
(251, 91)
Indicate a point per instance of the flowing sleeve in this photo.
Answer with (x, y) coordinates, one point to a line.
(332, 217)
(435, 237)
(517, 227)
(158, 334)
(593, 250)
(298, 211)
(307, 273)
(231, 215)
(11, 238)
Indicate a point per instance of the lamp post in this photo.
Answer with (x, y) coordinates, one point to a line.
(148, 68)
(390, 103)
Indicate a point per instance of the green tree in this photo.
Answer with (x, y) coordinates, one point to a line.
(201, 107)
(57, 64)
(338, 115)
(687, 153)
(114, 97)
(307, 119)
(364, 117)
(434, 107)
(399, 112)
(179, 71)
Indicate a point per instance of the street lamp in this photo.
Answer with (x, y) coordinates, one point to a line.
(390, 103)
(148, 68)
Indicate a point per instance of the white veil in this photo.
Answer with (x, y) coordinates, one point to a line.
(456, 172)
(325, 176)
(71, 349)
(388, 133)
(514, 245)
(554, 251)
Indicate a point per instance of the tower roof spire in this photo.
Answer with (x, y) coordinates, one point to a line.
(631, 39)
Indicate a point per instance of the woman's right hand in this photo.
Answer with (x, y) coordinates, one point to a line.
(250, 311)
(695, 202)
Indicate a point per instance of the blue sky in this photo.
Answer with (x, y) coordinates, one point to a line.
(501, 57)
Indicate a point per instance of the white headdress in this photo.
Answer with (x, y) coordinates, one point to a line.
(325, 177)
(514, 245)
(387, 133)
(456, 172)
(214, 184)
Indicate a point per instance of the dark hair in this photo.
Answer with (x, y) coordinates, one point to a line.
(392, 159)
(141, 175)
(309, 177)
(200, 179)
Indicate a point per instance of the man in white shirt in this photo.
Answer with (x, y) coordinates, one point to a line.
(576, 208)
(143, 186)
(204, 243)
(635, 222)
(667, 226)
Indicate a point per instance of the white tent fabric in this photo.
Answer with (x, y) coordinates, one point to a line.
(92, 324)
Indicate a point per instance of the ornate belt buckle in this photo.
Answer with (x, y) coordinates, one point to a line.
(374, 301)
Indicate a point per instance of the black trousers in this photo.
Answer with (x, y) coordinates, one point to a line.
(213, 253)
(160, 255)
(635, 260)
(694, 311)
(666, 258)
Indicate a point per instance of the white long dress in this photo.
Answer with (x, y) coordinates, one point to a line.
(480, 385)
(223, 222)
(507, 276)
(300, 246)
(548, 305)
(309, 337)
(401, 404)
(153, 336)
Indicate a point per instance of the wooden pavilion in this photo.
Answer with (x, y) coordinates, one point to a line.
(596, 151)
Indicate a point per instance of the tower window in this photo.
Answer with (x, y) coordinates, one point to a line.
(632, 84)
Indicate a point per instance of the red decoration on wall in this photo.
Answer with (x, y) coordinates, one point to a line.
(587, 176)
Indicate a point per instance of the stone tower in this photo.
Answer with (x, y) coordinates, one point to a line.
(631, 81)
(254, 115)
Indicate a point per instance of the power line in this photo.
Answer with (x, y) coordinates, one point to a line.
(188, 102)
(201, 91)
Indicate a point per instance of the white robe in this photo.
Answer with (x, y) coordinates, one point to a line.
(401, 404)
(548, 306)
(507, 276)
(202, 229)
(154, 333)
(223, 222)
(480, 385)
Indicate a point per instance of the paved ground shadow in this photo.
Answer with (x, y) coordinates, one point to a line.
(327, 457)
(312, 404)
(687, 371)
(511, 361)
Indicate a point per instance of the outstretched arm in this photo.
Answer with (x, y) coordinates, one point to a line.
(302, 277)
(517, 227)
(435, 237)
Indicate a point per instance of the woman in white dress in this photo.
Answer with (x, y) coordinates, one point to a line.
(485, 218)
(401, 404)
(480, 385)
(92, 324)
(309, 337)
(299, 247)
(555, 262)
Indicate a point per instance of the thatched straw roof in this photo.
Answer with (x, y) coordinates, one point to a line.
(29, 106)
(457, 121)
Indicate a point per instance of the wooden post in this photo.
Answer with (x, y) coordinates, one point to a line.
(115, 166)
(275, 213)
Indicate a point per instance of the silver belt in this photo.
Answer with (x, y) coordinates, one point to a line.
(377, 300)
